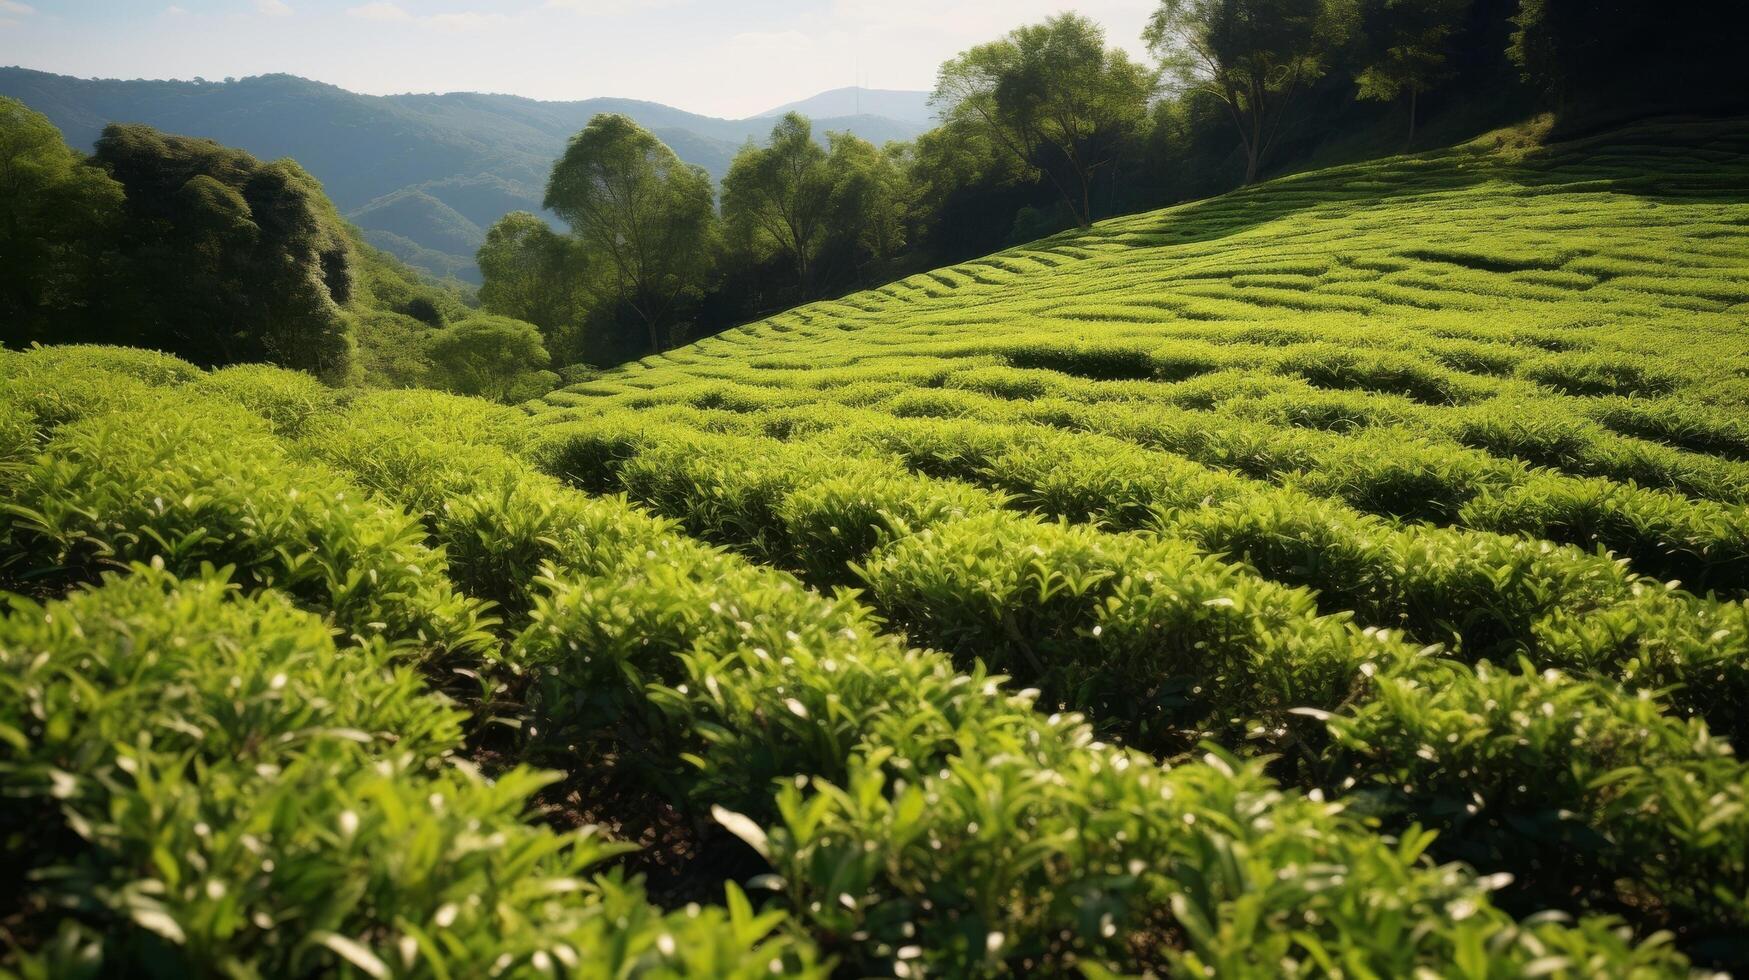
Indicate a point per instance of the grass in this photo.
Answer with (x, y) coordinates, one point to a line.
(1342, 576)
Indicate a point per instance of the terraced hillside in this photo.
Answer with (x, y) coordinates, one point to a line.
(1342, 577)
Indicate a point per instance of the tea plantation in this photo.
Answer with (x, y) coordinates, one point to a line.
(1344, 576)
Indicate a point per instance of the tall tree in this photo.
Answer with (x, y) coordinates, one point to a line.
(229, 259)
(644, 217)
(537, 275)
(1407, 44)
(870, 198)
(1254, 56)
(57, 217)
(777, 197)
(966, 190)
(1055, 97)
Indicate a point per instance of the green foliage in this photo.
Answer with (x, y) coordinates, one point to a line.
(238, 794)
(228, 259)
(777, 198)
(536, 275)
(1055, 97)
(1108, 467)
(491, 356)
(159, 238)
(391, 350)
(1245, 575)
(288, 400)
(199, 482)
(1254, 56)
(931, 800)
(56, 213)
(1409, 45)
(1562, 782)
(645, 220)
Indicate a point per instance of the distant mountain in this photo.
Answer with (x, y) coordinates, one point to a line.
(910, 107)
(422, 175)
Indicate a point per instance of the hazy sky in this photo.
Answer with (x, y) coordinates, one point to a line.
(721, 57)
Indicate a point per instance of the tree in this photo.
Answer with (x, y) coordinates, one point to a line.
(646, 218)
(491, 357)
(535, 274)
(777, 197)
(869, 201)
(1254, 56)
(57, 219)
(965, 190)
(228, 259)
(1055, 97)
(1634, 53)
(1407, 42)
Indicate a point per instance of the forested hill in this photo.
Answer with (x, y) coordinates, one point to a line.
(423, 175)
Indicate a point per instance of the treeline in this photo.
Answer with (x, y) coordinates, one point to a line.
(186, 246)
(1050, 127)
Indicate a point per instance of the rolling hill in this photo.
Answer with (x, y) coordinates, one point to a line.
(910, 107)
(404, 163)
(1343, 576)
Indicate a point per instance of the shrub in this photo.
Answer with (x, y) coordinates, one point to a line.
(193, 482)
(1598, 374)
(288, 400)
(248, 798)
(491, 356)
(1561, 782)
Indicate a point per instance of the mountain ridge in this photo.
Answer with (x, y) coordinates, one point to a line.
(900, 104)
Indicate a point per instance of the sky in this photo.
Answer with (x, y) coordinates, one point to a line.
(729, 58)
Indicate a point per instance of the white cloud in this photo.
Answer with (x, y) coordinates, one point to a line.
(380, 11)
(465, 21)
(604, 7)
(771, 42)
(273, 8)
(13, 8)
(175, 11)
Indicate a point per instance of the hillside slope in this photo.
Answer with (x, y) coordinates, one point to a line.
(1432, 391)
(364, 148)
(1332, 579)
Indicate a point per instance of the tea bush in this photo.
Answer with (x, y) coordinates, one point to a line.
(239, 794)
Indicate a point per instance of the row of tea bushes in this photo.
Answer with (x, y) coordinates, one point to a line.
(1151, 637)
(928, 819)
(208, 781)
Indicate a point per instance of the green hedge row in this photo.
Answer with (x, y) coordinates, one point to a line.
(203, 783)
(927, 819)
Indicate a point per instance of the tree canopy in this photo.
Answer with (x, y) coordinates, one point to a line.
(776, 198)
(57, 218)
(535, 274)
(643, 217)
(229, 259)
(1255, 57)
(1407, 42)
(1055, 97)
